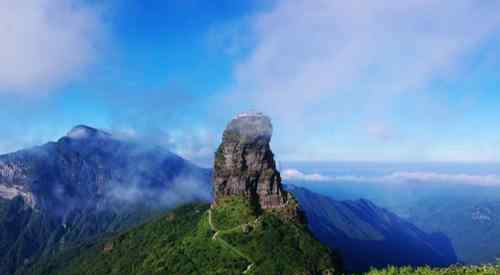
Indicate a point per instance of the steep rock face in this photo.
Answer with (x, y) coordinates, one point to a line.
(244, 164)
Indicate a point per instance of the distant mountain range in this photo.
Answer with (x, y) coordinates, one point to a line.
(473, 226)
(369, 236)
(89, 185)
(468, 214)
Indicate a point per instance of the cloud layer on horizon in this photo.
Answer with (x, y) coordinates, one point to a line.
(403, 177)
(294, 174)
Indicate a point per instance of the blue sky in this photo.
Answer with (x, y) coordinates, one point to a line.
(390, 81)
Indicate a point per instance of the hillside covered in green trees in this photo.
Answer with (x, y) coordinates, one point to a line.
(193, 239)
(229, 239)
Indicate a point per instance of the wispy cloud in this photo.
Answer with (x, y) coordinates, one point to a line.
(194, 144)
(427, 177)
(46, 42)
(399, 178)
(294, 174)
(314, 63)
(308, 51)
(181, 190)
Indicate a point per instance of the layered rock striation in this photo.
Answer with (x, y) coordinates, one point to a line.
(244, 165)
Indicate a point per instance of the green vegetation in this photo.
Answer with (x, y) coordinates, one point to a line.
(29, 236)
(176, 243)
(453, 270)
(233, 211)
(270, 244)
(277, 247)
(192, 239)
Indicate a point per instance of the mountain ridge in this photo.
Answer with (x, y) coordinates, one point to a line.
(385, 239)
(63, 192)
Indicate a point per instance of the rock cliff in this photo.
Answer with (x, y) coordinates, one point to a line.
(244, 165)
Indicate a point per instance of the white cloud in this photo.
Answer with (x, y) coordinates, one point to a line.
(307, 51)
(46, 43)
(426, 177)
(196, 144)
(79, 133)
(293, 174)
(181, 190)
(126, 133)
(315, 63)
(398, 178)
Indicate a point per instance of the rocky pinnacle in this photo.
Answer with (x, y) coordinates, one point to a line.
(244, 164)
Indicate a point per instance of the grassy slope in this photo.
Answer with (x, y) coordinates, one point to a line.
(182, 242)
(272, 245)
(232, 212)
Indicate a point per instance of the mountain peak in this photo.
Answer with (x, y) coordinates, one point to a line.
(85, 132)
(245, 167)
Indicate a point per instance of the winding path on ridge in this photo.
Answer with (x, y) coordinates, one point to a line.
(216, 237)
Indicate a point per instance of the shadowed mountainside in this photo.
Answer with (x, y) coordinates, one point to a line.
(86, 184)
(369, 236)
